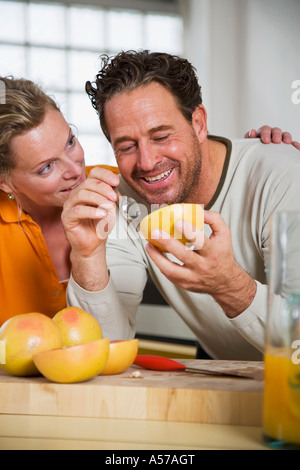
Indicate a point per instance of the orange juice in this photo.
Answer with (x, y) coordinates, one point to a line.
(281, 420)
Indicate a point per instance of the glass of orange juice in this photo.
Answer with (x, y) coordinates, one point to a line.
(281, 415)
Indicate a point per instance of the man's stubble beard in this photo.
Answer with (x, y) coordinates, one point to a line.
(188, 184)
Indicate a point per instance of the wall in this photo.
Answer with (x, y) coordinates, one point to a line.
(247, 54)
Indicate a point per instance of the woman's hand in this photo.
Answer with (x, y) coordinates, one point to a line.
(273, 135)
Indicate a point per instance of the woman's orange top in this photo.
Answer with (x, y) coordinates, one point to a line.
(28, 279)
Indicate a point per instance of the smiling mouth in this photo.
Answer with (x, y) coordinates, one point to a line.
(73, 187)
(157, 178)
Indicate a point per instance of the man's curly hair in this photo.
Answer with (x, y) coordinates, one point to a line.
(129, 70)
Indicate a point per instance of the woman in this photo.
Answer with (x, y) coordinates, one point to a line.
(41, 162)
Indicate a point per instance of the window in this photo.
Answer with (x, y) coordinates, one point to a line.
(58, 44)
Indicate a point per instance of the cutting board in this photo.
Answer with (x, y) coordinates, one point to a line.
(145, 395)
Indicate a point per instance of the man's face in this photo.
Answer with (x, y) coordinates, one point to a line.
(157, 149)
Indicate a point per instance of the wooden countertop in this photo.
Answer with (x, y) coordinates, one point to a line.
(174, 397)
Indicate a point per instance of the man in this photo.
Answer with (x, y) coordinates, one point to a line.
(150, 109)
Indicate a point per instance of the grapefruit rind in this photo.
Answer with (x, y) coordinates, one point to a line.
(77, 326)
(23, 336)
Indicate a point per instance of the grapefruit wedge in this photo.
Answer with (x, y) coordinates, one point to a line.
(165, 219)
(73, 364)
(121, 356)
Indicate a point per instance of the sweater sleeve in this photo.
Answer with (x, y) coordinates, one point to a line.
(105, 307)
(251, 324)
(115, 307)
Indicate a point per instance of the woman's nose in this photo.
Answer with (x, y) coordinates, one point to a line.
(74, 164)
(73, 170)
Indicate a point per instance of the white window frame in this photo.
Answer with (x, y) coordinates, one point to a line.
(144, 7)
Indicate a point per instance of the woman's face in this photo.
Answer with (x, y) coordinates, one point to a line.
(49, 163)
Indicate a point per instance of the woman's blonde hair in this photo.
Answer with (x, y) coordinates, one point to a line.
(23, 108)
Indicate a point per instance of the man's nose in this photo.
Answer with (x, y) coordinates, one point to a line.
(148, 157)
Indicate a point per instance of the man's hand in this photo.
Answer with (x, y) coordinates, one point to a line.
(211, 269)
(88, 218)
(89, 213)
(273, 135)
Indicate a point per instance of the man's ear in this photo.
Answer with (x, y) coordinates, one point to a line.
(199, 122)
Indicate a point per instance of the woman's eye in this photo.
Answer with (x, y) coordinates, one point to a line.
(72, 140)
(45, 169)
